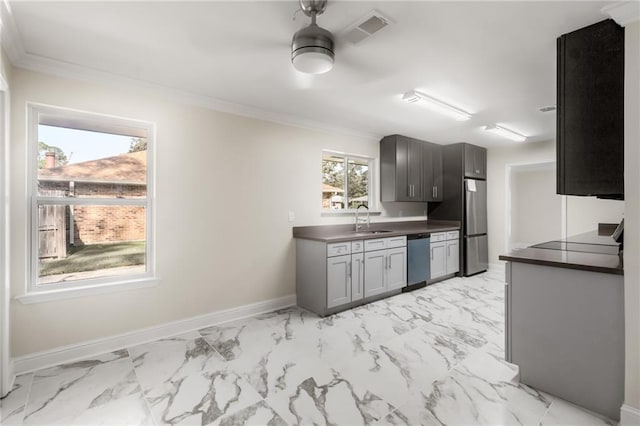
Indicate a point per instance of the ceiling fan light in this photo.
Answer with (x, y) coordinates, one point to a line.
(313, 60)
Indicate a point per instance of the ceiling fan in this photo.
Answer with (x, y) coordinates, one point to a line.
(312, 47)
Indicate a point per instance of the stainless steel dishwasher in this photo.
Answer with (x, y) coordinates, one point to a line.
(418, 264)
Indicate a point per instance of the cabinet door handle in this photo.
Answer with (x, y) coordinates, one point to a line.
(436, 188)
(432, 253)
(448, 250)
(350, 271)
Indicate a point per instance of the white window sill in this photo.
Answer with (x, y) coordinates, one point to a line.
(69, 293)
(362, 213)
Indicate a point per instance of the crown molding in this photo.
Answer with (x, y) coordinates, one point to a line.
(624, 13)
(20, 58)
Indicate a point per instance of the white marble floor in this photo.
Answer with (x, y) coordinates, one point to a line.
(431, 357)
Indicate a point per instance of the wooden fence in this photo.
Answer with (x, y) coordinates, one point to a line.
(52, 228)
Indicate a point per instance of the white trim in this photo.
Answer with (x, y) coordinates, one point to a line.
(629, 416)
(624, 12)
(87, 290)
(38, 360)
(6, 373)
(105, 122)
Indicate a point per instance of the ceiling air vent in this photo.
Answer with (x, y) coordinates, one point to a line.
(547, 109)
(365, 27)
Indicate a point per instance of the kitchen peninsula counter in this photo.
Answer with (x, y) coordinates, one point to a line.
(587, 252)
(564, 312)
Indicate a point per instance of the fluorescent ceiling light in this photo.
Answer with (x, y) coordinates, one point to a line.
(506, 133)
(437, 105)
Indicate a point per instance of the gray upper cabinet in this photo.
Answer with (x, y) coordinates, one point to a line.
(410, 170)
(432, 171)
(400, 169)
(475, 162)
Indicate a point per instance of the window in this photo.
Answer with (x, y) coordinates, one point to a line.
(346, 181)
(91, 197)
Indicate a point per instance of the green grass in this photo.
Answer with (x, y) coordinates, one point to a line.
(96, 256)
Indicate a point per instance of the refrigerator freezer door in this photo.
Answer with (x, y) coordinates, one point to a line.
(476, 254)
(475, 207)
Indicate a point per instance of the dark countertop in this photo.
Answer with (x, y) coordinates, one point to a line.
(346, 232)
(583, 252)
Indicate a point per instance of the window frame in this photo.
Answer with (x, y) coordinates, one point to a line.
(371, 198)
(88, 285)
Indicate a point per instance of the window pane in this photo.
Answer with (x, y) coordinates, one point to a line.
(358, 175)
(84, 242)
(80, 163)
(333, 182)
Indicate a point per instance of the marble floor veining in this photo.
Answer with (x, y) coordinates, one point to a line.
(434, 356)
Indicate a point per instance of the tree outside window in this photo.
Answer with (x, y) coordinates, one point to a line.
(345, 181)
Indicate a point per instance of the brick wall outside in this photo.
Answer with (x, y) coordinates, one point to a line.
(102, 224)
(105, 224)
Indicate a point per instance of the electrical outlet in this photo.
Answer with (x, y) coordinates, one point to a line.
(292, 216)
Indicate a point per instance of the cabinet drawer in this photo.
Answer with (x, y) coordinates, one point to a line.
(376, 244)
(357, 246)
(438, 236)
(453, 235)
(396, 241)
(338, 249)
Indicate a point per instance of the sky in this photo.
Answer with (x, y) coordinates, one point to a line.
(82, 145)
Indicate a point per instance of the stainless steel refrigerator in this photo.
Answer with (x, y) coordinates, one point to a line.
(465, 200)
(475, 242)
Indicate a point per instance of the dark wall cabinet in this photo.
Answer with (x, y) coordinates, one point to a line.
(475, 162)
(590, 115)
(432, 172)
(410, 170)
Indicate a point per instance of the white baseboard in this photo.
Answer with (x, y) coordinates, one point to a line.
(629, 416)
(63, 354)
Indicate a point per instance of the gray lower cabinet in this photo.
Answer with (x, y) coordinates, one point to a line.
(453, 256)
(385, 265)
(445, 254)
(562, 323)
(375, 266)
(438, 259)
(338, 280)
(338, 275)
(357, 276)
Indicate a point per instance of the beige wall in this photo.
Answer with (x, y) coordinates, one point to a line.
(536, 209)
(632, 214)
(584, 213)
(225, 185)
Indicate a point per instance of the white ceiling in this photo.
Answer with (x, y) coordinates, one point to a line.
(496, 60)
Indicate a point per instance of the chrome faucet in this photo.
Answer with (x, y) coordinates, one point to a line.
(358, 219)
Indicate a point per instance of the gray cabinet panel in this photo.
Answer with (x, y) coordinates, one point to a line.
(396, 268)
(374, 273)
(338, 280)
(432, 171)
(453, 256)
(475, 161)
(565, 323)
(357, 276)
(438, 259)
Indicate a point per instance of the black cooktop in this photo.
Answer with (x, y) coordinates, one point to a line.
(580, 247)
